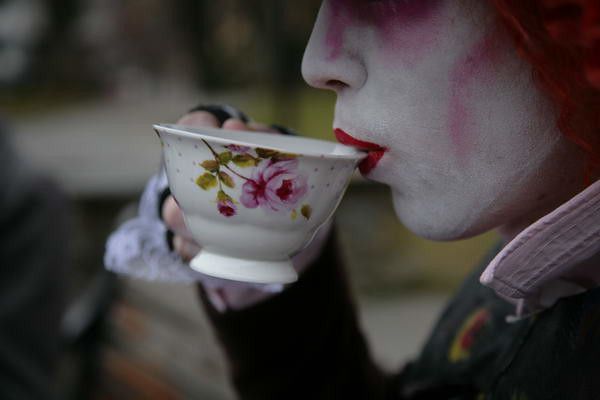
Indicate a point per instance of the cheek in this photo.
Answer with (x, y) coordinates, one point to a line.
(403, 27)
(471, 73)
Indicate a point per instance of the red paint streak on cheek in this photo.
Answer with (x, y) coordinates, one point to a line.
(409, 33)
(475, 67)
(389, 17)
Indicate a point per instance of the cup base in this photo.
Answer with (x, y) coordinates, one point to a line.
(244, 270)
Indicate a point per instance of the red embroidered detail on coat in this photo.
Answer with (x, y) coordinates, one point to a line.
(467, 335)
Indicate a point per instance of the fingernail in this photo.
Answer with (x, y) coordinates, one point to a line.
(235, 124)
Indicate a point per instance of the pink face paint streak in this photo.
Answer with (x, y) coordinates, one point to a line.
(472, 67)
(388, 16)
(337, 22)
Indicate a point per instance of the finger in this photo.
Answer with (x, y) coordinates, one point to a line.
(173, 218)
(199, 118)
(235, 124)
(187, 249)
(260, 127)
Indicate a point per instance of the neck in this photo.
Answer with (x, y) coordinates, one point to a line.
(511, 229)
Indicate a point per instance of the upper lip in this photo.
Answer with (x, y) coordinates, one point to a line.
(347, 139)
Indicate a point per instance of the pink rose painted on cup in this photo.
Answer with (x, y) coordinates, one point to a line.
(275, 186)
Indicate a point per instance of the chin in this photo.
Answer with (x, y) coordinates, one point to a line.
(429, 222)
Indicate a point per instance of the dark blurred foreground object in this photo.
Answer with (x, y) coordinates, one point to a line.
(33, 250)
(45, 329)
(23, 23)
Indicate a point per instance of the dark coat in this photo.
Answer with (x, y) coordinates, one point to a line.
(306, 343)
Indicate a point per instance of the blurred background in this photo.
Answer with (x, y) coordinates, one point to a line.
(82, 81)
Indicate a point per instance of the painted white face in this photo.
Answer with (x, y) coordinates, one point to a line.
(470, 143)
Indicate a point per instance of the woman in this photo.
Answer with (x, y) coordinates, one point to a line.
(468, 139)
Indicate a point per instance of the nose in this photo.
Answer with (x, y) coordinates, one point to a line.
(328, 62)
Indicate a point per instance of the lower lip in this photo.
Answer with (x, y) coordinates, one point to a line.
(371, 161)
(374, 151)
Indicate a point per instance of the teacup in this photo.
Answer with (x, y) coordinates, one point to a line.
(252, 199)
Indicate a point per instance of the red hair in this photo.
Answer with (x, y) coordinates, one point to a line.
(561, 40)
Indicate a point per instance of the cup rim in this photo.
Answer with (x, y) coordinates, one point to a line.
(188, 131)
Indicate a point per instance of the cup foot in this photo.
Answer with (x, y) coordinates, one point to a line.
(244, 270)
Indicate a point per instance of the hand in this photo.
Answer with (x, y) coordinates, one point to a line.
(183, 243)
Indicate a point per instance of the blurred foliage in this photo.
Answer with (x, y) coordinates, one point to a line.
(312, 116)
(240, 42)
(222, 45)
(107, 47)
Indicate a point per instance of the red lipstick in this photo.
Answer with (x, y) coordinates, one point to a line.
(375, 151)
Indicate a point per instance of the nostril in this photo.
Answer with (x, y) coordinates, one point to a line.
(335, 84)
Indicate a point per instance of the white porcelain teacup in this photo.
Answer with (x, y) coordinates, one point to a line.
(251, 199)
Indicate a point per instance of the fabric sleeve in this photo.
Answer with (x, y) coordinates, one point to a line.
(139, 248)
(303, 343)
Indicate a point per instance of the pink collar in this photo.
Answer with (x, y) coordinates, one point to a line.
(557, 256)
